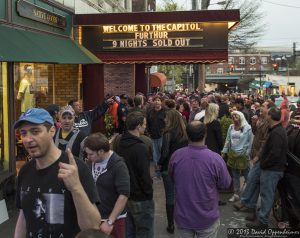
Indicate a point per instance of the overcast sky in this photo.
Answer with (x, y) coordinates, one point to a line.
(282, 18)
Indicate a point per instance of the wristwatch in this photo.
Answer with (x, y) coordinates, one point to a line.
(109, 222)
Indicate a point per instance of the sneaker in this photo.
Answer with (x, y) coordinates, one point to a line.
(251, 217)
(234, 198)
(238, 205)
(170, 229)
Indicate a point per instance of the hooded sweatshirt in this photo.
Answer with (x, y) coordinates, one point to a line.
(111, 183)
(136, 154)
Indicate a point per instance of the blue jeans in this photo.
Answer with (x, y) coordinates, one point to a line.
(210, 232)
(169, 189)
(236, 175)
(251, 192)
(156, 143)
(268, 184)
(140, 219)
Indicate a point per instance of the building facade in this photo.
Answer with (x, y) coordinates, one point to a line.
(40, 64)
(240, 69)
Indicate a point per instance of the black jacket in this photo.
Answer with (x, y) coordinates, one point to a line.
(85, 119)
(156, 123)
(135, 154)
(170, 144)
(224, 110)
(112, 183)
(214, 140)
(274, 152)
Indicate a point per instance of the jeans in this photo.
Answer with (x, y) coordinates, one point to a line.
(236, 175)
(140, 219)
(169, 189)
(251, 191)
(156, 143)
(210, 232)
(268, 184)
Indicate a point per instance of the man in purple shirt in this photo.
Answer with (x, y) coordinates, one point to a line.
(198, 173)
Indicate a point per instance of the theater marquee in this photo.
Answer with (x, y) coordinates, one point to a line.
(182, 36)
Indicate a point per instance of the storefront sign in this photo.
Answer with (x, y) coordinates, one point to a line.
(31, 11)
(193, 36)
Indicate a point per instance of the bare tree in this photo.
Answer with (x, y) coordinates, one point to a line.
(251, 26)
(169, 6)
(205, 4)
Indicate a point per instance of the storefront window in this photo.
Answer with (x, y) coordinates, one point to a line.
(282, 89)
(291, 89)
(4, 162)
(33, 86)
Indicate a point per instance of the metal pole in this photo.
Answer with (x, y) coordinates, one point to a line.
(260, 74)
(288, 71)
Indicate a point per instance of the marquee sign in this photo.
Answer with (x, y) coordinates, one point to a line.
(182, 36)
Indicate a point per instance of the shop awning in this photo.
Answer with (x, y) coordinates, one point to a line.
(256, 84)
(18, 45)
(222, 78)
(157, 80)
(267, 84)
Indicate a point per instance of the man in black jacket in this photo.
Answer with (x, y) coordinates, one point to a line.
(273, 164)
(140, 219)
(84, 119)
(155, 127)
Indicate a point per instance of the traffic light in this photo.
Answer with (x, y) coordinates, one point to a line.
(275, 66)
(231, 67)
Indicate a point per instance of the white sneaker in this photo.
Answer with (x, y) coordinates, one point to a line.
(234, 198)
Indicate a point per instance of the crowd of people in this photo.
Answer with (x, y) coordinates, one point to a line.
(200, 144)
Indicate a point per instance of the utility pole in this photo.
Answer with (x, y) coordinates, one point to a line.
(295, 54)
(201, 67)
(195, 5)
(205, 4)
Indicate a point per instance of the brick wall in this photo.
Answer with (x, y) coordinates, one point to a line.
(66, 83)
(119, 79)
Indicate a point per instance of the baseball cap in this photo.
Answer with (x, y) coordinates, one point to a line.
(123, 96)
(67, 109)
(35, 116)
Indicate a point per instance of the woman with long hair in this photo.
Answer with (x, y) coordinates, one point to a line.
(213, 140)
(184, 109)
(238, 142)
(174, 138)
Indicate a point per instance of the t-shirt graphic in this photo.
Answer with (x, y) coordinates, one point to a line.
(51, 206)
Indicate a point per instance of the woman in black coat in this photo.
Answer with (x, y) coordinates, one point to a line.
(214, 140)
(174, 138)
